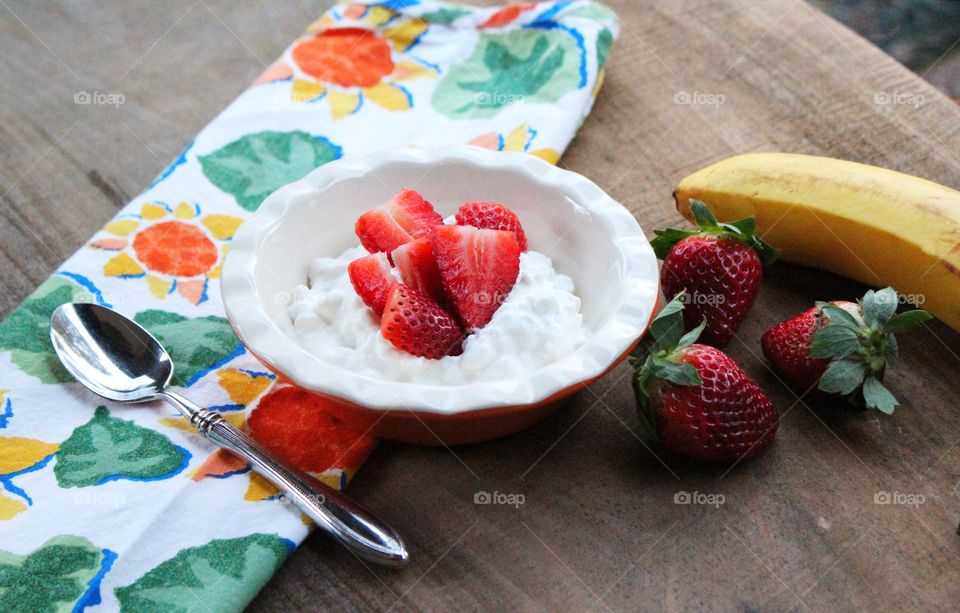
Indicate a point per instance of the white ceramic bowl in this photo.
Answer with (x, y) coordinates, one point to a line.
(589, 236)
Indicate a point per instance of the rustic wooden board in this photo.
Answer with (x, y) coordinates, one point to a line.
(598, 528)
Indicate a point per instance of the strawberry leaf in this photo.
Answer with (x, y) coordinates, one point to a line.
(765, 251)
(893, 348)
(862, 348)
(876, 396)
(644, 410)
(838, 315)
(835, 341)
(661, 358)
(743, 230)
(746, 226)
(702, 215)
(691, 337)
(679, 373)
(842, 377)
(879, 307)
(640, 352)
(666, 239)
(667, 327)
(906, 321)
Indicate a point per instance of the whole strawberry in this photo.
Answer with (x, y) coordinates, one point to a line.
(718, 266)
(697, 400)
(842, 348)
(787, 345)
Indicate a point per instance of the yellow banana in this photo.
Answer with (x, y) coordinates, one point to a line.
(874, 225)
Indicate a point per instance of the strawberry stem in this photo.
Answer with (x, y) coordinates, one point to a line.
(860, 345)
(658, 355)
(743, 230)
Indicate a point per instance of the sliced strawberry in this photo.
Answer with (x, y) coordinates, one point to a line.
(401, 219)
(418, 325)
(418, 269)
(493, 216)
(414, 214)
(378, 231)
(371, 278)
(478, 267)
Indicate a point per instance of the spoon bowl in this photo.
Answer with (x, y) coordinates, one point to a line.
(113, 358)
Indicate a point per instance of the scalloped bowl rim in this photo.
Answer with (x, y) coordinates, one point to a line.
(603, 349)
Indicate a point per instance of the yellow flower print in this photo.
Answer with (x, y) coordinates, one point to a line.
(519, 139)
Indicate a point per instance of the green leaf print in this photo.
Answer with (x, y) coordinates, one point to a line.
(26, 332)
(445, 15)
(529, 64)
(604, 42)
(196, 345)
(108, 448)
(223, 575)
(256, 165)
(592, 11)
(51, 578)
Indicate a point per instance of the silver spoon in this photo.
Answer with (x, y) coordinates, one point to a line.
(117, 359)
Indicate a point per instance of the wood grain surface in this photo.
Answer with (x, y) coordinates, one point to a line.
(598, 527)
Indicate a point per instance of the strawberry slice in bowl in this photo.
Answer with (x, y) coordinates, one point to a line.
(401, 219)
(478, 267)
(418, 325)
(418, 268)
(379, 232)
(372, 280)
(413, 213)
(492, 216)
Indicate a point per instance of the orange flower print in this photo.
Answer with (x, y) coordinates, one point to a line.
(168, 248)
(348, 57)
(193, 255)
(293, 423)
(507, 15)
(361, 58)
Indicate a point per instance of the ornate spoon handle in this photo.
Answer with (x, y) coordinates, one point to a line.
(357, 528)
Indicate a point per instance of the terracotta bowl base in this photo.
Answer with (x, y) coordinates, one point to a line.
(447, 430)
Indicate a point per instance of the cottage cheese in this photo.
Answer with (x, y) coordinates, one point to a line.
(538, 323)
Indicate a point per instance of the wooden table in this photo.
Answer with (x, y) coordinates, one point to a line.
(598, 527)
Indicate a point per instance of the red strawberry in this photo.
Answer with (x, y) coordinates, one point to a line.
(698, 401)
(378, 231)
(719, 269)
(478, 269)
(787, 346)
(413, 213)
(418, 269)
(492, 216)
(417, 325)
(371, 278)
(401, 219)
(840, 347)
